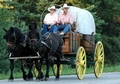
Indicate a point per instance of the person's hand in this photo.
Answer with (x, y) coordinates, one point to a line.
(49, 27)
(52, 24)
(67, 22)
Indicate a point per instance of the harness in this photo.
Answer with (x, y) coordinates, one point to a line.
(50, 47)
(16, 46)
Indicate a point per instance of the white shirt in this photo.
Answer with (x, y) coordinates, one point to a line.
(50, 19)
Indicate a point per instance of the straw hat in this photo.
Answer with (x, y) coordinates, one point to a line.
(52, 7)
(65, 6)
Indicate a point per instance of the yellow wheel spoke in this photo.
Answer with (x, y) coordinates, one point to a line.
(55, 69)
(81, 63)
(99, 59)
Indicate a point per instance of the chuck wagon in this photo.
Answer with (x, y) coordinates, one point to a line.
(80, 48)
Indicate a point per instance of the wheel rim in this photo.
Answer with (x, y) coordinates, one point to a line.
(55, 69)
(99, 59)
(81, 63)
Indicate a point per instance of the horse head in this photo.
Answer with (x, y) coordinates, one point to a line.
(12, 37)
(33, 36)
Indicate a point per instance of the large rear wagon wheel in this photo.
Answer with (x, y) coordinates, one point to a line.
(54, 68)
(81, 63)
(99, 59)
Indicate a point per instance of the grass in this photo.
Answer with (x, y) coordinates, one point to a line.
(67, 70)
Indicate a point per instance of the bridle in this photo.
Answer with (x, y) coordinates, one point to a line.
(30, 42)
(12, 44)
(32, 39)
(36, 40)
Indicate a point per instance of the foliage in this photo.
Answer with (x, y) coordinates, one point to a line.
(21, 13)
(6, 20)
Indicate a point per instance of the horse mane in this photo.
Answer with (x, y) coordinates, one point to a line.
(19, 35)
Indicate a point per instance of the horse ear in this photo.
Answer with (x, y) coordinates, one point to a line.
(29, 27)
(4, 29)
(12, 29)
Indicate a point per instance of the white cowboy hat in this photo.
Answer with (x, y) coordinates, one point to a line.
(65, 6)
(52, 7)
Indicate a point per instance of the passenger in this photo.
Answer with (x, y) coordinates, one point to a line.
(65, 21)
(50, 20)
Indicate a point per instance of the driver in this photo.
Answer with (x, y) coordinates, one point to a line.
(50, 20)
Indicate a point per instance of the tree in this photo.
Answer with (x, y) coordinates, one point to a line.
(106, 13)
(6, 20)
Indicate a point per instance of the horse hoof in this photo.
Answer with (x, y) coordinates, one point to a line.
(46, 79)
(10, 80)
(57, 79)
(42, 79)
(29, 79)
(37, 79)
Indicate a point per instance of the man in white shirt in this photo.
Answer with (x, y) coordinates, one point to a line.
(50, 21)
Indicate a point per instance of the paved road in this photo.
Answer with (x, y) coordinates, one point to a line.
(106, 78)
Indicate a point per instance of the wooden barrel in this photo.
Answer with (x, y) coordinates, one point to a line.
(88, 43)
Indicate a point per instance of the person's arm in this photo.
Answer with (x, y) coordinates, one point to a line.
(45, 20)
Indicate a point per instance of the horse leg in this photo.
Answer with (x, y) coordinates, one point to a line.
(30, 75)
(23, 71)
(47, 71)
(11, 70)
(58, 67)
(58, 62)
(38, 66)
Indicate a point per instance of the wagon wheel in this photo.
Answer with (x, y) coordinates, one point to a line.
(81, 63)
(54, 68)
(99, 59)
(35, 72)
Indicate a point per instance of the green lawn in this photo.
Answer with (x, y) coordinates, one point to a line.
(67, 70)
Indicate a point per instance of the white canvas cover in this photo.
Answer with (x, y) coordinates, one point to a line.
(84, 20)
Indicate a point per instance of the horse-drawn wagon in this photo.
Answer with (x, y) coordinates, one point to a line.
(80, 48)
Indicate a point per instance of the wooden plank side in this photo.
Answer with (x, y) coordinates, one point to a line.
(66, 45)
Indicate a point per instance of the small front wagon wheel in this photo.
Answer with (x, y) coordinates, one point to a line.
(81, 63)
(54, 68)
(99, 59)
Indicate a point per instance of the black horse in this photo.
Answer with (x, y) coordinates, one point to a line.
(17, 46)
(49, 47)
